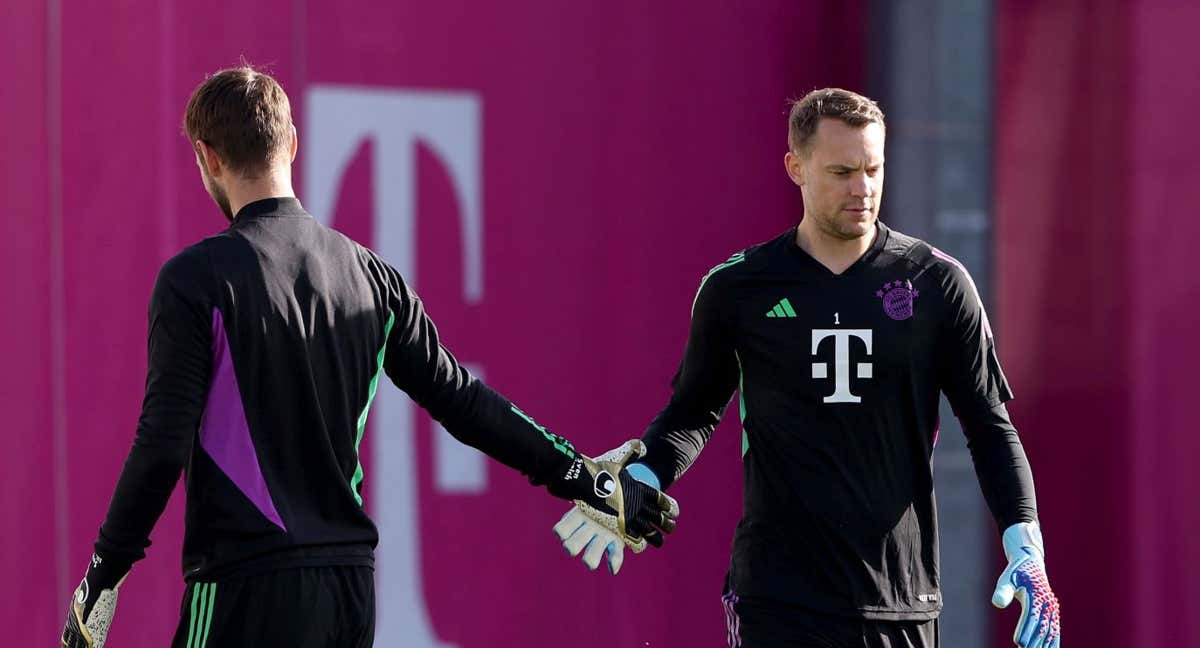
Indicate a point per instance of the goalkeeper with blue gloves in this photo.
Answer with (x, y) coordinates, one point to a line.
(840, 335)
(266, 346)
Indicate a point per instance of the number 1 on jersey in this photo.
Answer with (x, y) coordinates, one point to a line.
(836, 320)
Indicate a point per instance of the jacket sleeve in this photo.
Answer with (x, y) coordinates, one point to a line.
(971, 377)
(416, 361)
(701, 389)
(179, 352)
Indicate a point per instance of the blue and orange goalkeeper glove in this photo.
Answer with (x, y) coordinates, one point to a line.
(1025, 579)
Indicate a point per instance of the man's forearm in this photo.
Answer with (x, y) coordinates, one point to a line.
(480, 417)
(674, 441)
(141, 495)
(1001, 466)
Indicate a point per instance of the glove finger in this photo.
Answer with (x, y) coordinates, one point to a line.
(626, 453)
(579, 541)
(100, 620)
(1041, 633)
(1039, 621)
(1038, 638)
(74, 631)
(639, 529)
(594, 552)
(1003, 596)
(635, 544)
(1052, 639)
(667, 504)
(654, 539)
(570, 523)
(639, 450)
(1030, 618)
(666, 524)
(616, 556)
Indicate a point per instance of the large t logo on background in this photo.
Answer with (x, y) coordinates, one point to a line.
(338, 120)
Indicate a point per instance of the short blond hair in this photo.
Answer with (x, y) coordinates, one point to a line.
(834, 103)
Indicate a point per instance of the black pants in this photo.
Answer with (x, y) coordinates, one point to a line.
(302, 607)
(764, 624)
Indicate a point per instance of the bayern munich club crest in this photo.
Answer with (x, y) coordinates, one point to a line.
(898, 297)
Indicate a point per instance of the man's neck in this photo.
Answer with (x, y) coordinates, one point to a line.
(245, 192)
(836, 254)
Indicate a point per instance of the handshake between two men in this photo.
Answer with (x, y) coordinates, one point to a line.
(617, 505)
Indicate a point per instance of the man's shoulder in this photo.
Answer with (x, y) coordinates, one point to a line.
(748, 260)
(908, 248)
(191, 262)
(925, 258)
(920, 253)
(220, 250)
(723, 282)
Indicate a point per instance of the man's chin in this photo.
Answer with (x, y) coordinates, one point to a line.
(856, 228)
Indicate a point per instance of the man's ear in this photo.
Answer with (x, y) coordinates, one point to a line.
(208, 156)
(794, 164)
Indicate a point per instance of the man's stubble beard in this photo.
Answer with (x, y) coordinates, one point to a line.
(219, 196)
(832, 227)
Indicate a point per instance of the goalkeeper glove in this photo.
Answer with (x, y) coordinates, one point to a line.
(1025, 579)
(616, 512)
(94, 602)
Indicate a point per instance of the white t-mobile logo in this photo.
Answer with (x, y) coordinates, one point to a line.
(841, 362)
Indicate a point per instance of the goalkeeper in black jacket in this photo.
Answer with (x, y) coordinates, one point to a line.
(839, 335)
(266, 346)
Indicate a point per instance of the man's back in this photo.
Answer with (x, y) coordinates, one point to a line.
(295, 316)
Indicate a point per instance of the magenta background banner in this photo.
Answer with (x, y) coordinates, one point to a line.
(1096, 181)
(555, 177)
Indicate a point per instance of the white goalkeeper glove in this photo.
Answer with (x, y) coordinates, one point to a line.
(94, 602)
(627, 510)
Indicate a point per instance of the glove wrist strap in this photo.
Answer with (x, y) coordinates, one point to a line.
(1021, 535)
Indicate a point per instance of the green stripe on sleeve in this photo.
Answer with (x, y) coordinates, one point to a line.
(742, 404)
(733, 260)
(787, 307)
(560, 444)
(362, 416)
